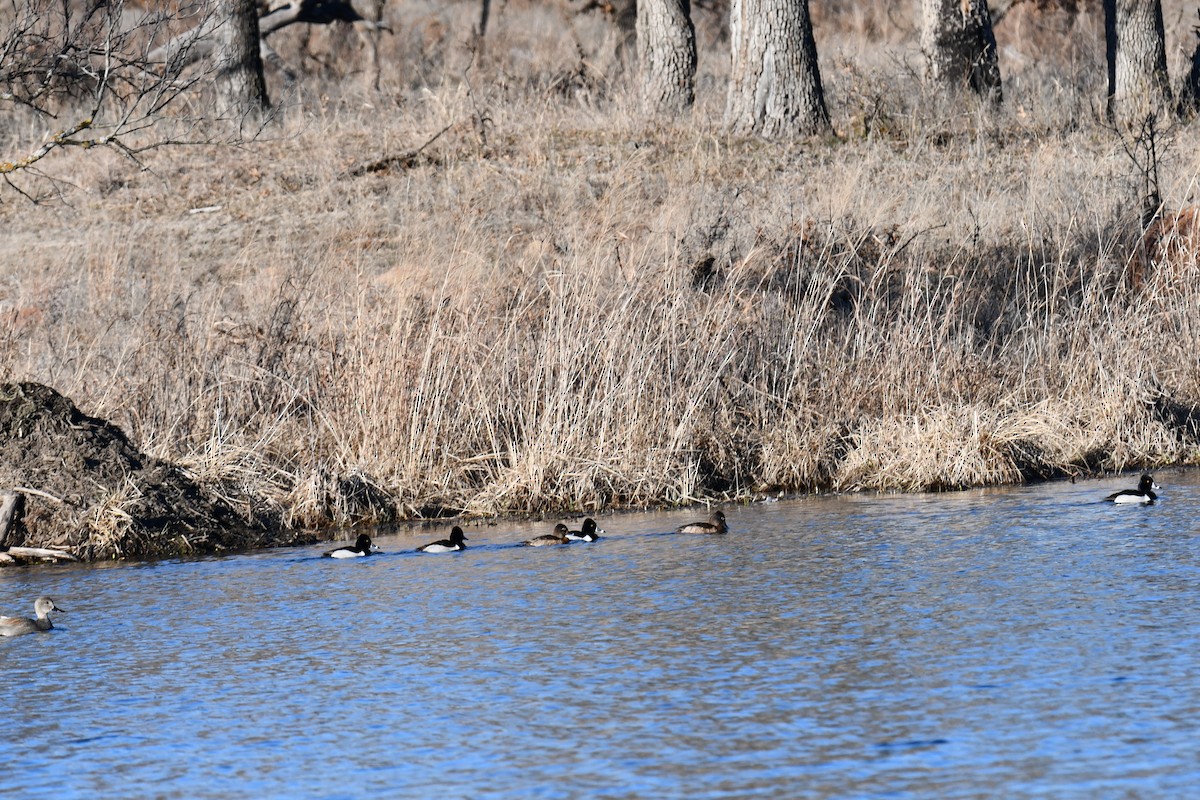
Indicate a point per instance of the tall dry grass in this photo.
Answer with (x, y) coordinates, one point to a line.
(559, 305)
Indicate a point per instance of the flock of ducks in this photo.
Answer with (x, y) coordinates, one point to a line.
(1144, 494)
(588, 532)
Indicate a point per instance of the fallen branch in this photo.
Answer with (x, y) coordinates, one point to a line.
(12, 508)
(20, 555)
(38, 493)
(405, 160)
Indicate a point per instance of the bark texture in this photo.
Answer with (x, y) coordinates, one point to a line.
(960, 47)
(666, 44)
(241, 89)
(775, 86)
(1138, 83)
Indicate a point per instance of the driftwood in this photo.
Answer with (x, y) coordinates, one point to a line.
(26, 555)
(12, 509)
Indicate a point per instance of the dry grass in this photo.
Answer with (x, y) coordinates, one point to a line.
(558, 305)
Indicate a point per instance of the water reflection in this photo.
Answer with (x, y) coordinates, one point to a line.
(1017, 642)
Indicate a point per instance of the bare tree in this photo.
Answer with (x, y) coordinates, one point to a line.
(241, 88)
(82, 71)
(775, 87)
(109, 74)
(374, 24)
(666, 44)
(1138, 84)
(960, 47)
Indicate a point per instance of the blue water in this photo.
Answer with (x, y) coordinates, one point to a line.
(1028, 642)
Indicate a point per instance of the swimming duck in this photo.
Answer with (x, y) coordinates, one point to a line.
(15, 626)
(362, 547)
(587, 534)
(1144, 493)
(714, 524)
(558, 537)
(455, 542)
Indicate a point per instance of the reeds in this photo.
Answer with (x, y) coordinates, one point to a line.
(560, 307)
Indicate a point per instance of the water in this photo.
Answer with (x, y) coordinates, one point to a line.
(1028, 642)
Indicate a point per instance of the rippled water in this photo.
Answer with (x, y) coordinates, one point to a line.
(1030, 642)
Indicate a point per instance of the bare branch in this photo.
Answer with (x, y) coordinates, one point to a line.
(60, 139)
(90, 72)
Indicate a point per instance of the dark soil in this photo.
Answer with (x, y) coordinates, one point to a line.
(90, 492)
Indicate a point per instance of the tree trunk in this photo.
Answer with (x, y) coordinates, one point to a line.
(241, 89)
(775, 86)
(479, 35)
(1138, 84)
(666, 44)
(1189, 100)
(371, 39)
(959, 46)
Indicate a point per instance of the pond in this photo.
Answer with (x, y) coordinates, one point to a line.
(1021, 642)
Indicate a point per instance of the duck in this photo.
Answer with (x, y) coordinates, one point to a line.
(1144, 493)
(558, 537)
(455, 542)
(714, 524)
(362, 547)
(589, 533)
(15, 626)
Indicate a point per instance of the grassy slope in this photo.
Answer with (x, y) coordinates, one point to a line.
(560, 305)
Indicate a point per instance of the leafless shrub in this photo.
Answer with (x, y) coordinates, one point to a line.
(82, 72)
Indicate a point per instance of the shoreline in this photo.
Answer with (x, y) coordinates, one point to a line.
(565, 304)
(414, 527)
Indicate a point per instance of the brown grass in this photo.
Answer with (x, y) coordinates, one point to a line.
(558, 305)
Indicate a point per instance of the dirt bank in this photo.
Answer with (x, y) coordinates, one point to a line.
(90, 492)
